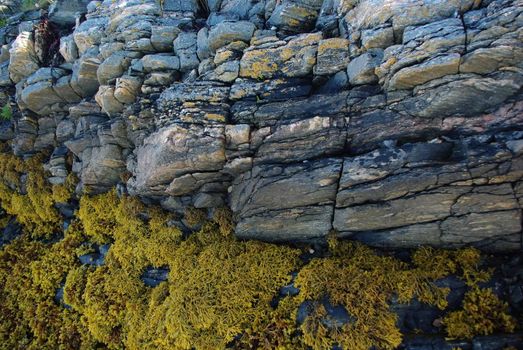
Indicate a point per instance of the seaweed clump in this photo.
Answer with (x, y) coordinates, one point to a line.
(31, 273)
(26, 195)
(364, 283)
(220, 292)
(483, 313)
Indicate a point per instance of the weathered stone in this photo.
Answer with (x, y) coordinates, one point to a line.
(208, 200)
(202, 42)
(113, 67)
(411, 236)
(64, 130)
(132, 12)
(160, 63)
(225, 73)
(369, 13)
(160, 79)
(227, 32)
(488, 60)
(303, 216)
(40, 96)
(396, 213)
(68, 49)
(134, 28)
(271, 90)
(333, 56)
(65, 12)
(293, 59)
(106, 99)
(140, 45)
(181, 5)
(431, 69)
(127, 88)
(102, 167)
(445, 38)
(185, 47)
(237, 135)
(231, 52)
(486, 199)
(237, 166)
(182, 92)
(177, 151)
(380, 38)
(306, 139)
(162, 37)
(467, 96)
(22, 61)
(89, 33)
(272, 113)
(477, 227)
(295, 16)
(63, 89)
(361, 69)
(84, 80)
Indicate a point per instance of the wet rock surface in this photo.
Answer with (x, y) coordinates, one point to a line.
(394, 123)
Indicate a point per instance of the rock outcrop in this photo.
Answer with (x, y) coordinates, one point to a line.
(397, 123)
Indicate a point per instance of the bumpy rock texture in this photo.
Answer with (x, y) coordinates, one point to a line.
(397, 123)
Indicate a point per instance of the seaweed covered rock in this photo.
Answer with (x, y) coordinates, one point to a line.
(396, 123)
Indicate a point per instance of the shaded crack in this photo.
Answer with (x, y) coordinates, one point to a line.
(338, 184)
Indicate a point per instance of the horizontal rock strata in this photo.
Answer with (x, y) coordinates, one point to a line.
(397, 123)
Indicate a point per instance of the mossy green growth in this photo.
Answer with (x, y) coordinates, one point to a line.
(5, 113)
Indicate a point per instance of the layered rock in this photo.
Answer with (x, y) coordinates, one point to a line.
(396, 123)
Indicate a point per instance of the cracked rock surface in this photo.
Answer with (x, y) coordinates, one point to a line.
(397, 123)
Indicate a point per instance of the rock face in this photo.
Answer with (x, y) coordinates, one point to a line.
(396, 123)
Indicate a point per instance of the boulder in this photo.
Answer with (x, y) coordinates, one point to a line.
(465, 95)
(295, 16)
(333, 56)
(162, 37)
(107, 101)
(180, 5)
(225, 73)
(173, 157)
(65, 12)
(295, 58)
(266, 202)
(185, 47)
(378, 38)
(160, 62)
(302, 140)
(39, 93)
(113, 67)
(85, 80)
(68, 49)
(227, 32)
(89, 33)
(361, 70)
(127, 89)
(22, 60)
(409, 77)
